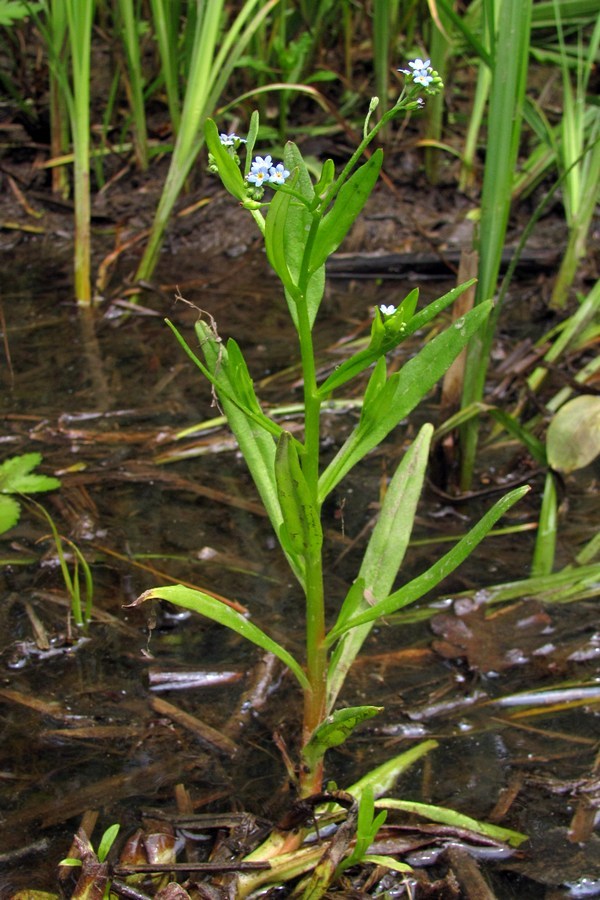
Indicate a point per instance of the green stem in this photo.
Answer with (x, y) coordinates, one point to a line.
(316, 652)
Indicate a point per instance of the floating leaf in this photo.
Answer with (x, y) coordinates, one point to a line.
(16, 477)
(573, 439)
(10, 511)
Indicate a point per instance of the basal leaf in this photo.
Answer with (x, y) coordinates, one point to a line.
(455, 819)
(383, 778)
(205, 605)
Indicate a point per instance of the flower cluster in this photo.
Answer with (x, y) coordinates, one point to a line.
(262, 171)
(421, 73)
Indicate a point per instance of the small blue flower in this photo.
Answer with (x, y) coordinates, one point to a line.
(258, 163)
(230, 140)
(420, 66)
(423, 78)
(278, 174)
(387, 310)
(420, 72)
(259, 171)
(259, 177)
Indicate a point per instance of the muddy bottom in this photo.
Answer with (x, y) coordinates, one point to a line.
(114, 717)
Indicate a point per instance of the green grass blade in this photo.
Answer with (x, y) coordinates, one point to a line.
(455, 819)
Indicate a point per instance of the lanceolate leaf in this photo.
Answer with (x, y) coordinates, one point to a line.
(205, 605)
(352, 197)
(337, 728)
(419, 586)
(383, 557)
(386, 338)
(277, 238)
(301, 523)
(255, 442)
(229, 171)
(454, 819)
(402, 392)
(252, 429)
(288, 227)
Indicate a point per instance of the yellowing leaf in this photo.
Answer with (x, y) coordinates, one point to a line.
(573, 439)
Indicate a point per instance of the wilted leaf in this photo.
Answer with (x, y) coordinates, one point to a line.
(573, 439)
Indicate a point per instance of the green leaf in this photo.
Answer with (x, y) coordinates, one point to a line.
(385, 337)
(337, 728)
(326, 179)
(288, 226)
(350, 200)
(545, 539)
(253, 430)
(388, 861)
(229, 171)
(251, 140)
(15, 477)
(367, 826)
(383, 556)
(10, 511)
(514, 427)
(107, 840)
(12, 11)
(438, 571)
(573, 439)
(205, 605)
(301, 526)
(454, 819)
(277, 244)
(402, 392)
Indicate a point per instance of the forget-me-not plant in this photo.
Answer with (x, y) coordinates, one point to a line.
(303, 222)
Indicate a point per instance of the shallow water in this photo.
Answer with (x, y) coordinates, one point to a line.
(102, 399)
